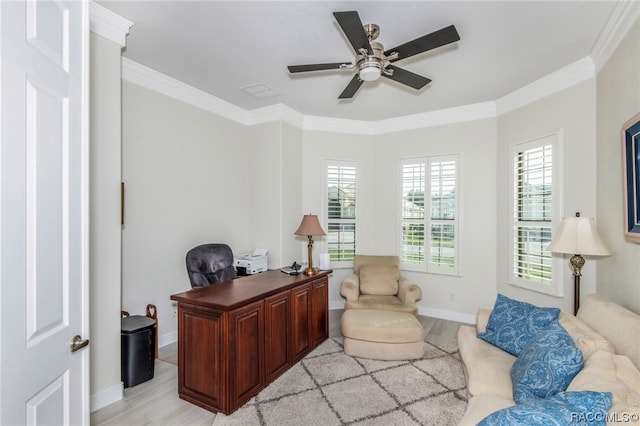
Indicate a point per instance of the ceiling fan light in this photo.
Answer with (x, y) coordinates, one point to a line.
(370, 71)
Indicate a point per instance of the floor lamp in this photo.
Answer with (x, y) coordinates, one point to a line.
(577, 236)
(310, 227)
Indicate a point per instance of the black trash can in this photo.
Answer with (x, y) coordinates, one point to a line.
(138, 349)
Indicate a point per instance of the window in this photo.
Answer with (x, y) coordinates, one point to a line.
(534, 204)
(429, 214)
(341, 179)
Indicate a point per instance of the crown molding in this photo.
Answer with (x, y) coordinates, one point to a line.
(276, 112)
(399, 124)
(114, 27)
(440, 117)
(154, 80)
(564, 78)
(572, 74)
(624, 16)
(339, 125)
(169, 86)
(107, 24)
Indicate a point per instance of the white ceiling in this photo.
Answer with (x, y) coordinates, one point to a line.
(222, 47)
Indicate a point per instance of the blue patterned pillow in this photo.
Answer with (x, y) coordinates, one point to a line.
(546, 365)
(584, 408)
(513, 323)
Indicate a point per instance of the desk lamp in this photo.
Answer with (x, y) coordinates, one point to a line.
(577, 235)
(310, 227)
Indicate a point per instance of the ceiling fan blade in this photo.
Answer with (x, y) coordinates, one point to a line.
(352, 27)
(316, 67)
(427, 42)
(351, 88)
(407, 77)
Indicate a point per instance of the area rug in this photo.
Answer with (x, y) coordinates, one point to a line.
(330, 388)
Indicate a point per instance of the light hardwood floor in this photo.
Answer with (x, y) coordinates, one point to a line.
(156, 401)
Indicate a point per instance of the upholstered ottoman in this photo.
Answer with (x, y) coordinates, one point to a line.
(385, 335)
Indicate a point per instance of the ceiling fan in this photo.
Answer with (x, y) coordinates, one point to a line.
(372, 61)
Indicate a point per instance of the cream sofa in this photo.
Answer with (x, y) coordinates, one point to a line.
(608, 336)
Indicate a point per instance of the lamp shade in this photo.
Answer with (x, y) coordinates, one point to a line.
(310, 226)
(578, 235)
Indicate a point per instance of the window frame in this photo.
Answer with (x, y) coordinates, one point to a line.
(336, 264)
(427, 221)
(554, 287)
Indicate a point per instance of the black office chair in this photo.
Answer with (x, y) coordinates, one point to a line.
(209, 264)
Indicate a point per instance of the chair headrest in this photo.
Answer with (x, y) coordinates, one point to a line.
(208, 258)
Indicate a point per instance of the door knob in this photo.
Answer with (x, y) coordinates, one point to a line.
(77, 343)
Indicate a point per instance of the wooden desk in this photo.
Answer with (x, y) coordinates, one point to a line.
(236, 337)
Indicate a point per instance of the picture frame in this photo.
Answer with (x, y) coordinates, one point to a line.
(631, 169)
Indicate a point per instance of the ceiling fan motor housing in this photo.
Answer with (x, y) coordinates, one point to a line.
(371, 66)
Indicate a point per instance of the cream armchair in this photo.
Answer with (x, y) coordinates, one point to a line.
(376, 284)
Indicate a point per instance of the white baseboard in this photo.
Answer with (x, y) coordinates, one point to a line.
(336, 304)
(167, 339)
(428, 312)
(115, 393)
(447, 315)
(106, 397)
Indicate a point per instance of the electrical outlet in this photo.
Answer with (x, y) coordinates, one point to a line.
(174, 312)
(452, 297)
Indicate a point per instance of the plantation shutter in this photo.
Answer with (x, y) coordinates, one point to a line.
(429, 214)
(533, 213)
(341, 211)
(442, 244)
(412, 248)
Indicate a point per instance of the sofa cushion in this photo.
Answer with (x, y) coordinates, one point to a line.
(481, 406)
(381, 326)
(486, 367)
(585, 338)
(482, 319)
(564, 408)
(605, 371)
(617, 324)
(381, 303)
(381, 280)
(513, 323)
(546, 365)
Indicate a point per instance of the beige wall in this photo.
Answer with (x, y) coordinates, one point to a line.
(264, 159)
(618, 99)
(571, 111)
(187, 180)
(275, 206)
(105, 240)
(292, 192)
(317, 147)
(475, 142)
(378, 160)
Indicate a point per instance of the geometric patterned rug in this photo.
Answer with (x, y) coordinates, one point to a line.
(328, 388)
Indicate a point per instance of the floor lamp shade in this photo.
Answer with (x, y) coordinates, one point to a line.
(310, 227)
(577, 236)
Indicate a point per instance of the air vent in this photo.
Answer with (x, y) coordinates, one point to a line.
(260, 91)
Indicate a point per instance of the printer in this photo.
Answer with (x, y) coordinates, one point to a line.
(249, 264)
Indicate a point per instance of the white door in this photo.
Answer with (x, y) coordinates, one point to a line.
(43, 212)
